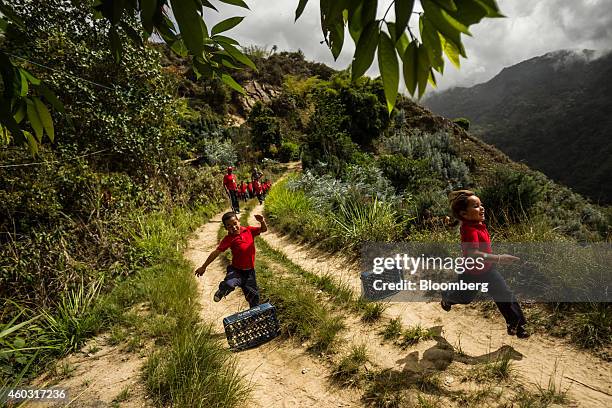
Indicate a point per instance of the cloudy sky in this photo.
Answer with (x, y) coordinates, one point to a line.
(531, 28)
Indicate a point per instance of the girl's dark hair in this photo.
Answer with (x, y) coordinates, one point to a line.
(459, 202)
(228, 216)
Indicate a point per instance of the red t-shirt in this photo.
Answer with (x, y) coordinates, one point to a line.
(243, 188)
(256, 186)
(250, 187)
(229, 181)
(242, 246)
(474, 235)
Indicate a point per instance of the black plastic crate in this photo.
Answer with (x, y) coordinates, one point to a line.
(252, 327)
(367, 283)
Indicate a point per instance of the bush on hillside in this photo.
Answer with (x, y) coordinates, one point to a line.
(510, 196)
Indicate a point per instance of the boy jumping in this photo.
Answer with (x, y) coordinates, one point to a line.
(241, 272)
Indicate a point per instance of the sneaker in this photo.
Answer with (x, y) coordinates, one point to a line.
(217, 296)
(518, 331)
(521, 333)
(446, 306)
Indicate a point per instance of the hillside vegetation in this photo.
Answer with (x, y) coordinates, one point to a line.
(551, 112)
(93, 223)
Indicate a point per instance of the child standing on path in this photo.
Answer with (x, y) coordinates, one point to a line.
(231, 188)
(475, 242)
(241, 272)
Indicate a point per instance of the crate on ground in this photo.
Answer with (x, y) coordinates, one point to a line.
(368, 279)
(251, 327)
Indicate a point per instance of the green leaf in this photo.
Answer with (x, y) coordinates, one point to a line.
(208, 4)
(332, 24)
(389, 69)
(237, 55)
(443, 22)
(300, 9)
(31, 142)
(222, 38)
(432, 79)
(33, 80)
(34, 119)
(202, 68)
(434, 15)
(45, 118)
(179, 48)
(368, 11)
(410, 67)
(469, 12)
(24, 84)
(226, 25)
(19, 342)
(431, 41)
(364, 52)
(354, 21)
(447, 4)
(191, 25)
(402, 43)
(6, 118)
(20, 114)
(229, 81)
(403, 11)
(424, 69)
(148, 10)
(451, 51)
(239, 3)
(12, 328)
(491, 7)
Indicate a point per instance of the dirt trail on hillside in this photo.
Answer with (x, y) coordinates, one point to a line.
(281, 374)
(536, 359)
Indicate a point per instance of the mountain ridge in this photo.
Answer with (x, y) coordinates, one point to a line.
(557, 103)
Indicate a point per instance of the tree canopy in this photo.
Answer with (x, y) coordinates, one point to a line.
(25, 118)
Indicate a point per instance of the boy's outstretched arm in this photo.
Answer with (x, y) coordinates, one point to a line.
(213, 255)
(262, 221)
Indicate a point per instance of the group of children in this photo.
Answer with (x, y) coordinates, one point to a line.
(475, 242)
(254, 188)
(257, 187)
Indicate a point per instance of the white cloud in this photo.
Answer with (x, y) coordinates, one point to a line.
(531, 28)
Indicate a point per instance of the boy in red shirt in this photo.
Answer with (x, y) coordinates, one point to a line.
(230, 184)
(250, 189)
(243, 189)
(475, 242)
(241, 272)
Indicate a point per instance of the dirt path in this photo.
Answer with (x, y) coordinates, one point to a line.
(96, 376)
(537, 359)
(281, 374)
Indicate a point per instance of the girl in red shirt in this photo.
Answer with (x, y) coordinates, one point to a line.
(475, 242)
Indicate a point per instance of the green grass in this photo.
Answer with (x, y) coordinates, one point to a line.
(301, 313)
(393, 329)
(196, 370)
(350, 370)
(414, 334)
(499, 370)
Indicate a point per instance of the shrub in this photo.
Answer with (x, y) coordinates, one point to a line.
(288, 151)
(463, 123)
(510, 195)
(265, 127)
